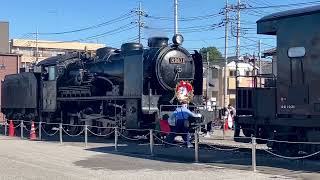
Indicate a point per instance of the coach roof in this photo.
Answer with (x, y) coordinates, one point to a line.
(270, 24)
(291, 13)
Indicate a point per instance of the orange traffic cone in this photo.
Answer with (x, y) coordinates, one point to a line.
(33, 135)
(11, 129)
(226, 126)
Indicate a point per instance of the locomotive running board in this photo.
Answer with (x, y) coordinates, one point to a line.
(96, 98)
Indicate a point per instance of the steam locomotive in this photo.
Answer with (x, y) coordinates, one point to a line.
(125, 87)
(286, 108)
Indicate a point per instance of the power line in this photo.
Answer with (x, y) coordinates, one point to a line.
(257, 41)
(111, 32)
(283, 5)
(191, 18)
(115, 20)
(189, 29)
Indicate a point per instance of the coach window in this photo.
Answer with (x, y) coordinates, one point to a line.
(52, 73)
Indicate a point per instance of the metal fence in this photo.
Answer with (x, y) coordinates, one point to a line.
(151, 135)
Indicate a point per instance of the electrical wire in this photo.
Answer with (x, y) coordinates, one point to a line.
(115, 20)
(191, 18)
(283, 5)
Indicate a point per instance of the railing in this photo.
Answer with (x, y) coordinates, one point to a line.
(257, 81)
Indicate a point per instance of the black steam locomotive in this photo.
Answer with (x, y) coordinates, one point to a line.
(116, 87)
(289, 110)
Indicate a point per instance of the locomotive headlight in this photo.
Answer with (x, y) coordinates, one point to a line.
(177, 39)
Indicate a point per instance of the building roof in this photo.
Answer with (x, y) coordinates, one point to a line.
(291, 13)
(55, 44)
(266, 67)
(269, 52)
(9, 54)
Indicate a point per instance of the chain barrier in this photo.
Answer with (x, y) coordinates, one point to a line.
(292, 158)
(25, 127)
(49, 133)
(164, 142)
(72, 135)
(100, 135)
(15, 127)
(289, 142)
(220, 149)
(50, 123)
(27, 122)
(99, 127)
(178, 134)
(134, 139)
(136, 129)
(144, 137)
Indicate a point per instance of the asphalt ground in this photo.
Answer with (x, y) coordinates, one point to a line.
(175, 159)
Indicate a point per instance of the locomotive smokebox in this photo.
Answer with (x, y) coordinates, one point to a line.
(156, 42)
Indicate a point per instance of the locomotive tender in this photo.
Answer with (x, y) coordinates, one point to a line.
(116, 87)
(290, 110)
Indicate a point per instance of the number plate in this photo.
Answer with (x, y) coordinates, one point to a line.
(176, 60)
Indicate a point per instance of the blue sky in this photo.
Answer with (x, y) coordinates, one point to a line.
(199, 16)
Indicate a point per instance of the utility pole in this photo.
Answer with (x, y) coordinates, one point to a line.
(140, 23)
(226, 54)
(175, 17)
(238, 41)
(259, 49)
(226, 60)
(207, 83)
(238, 30)
(37, 47)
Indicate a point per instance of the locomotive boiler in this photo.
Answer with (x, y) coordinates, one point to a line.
(124, 87)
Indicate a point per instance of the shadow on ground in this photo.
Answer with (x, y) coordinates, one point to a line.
(140, 150)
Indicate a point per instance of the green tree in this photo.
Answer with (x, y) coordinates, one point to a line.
(214, 53)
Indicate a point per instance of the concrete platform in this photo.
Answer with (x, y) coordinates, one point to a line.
(29, 160)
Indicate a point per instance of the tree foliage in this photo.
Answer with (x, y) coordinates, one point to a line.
(214, 53)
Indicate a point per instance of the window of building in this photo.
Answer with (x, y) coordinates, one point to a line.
(214, 94)
(214, 73)
(248, 73)
(232, 73)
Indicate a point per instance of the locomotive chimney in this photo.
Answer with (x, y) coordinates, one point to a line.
(156, 42)
(105, 51)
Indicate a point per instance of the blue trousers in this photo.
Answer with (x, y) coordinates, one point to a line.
(175, 130)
